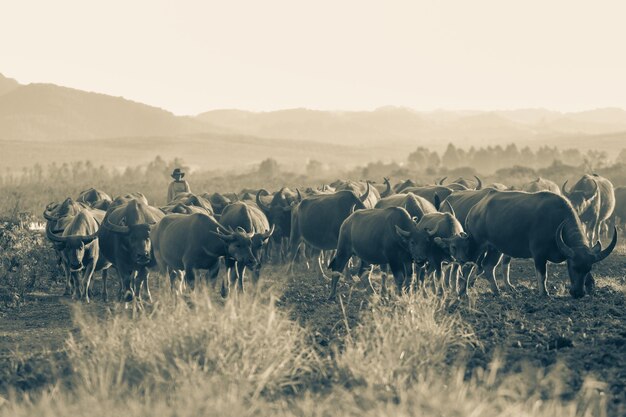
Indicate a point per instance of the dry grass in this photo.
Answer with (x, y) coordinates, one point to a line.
(245, 357)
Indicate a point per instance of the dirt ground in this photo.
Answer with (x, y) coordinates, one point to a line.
(577, 338)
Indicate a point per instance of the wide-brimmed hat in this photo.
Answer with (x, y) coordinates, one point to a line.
(177, 172)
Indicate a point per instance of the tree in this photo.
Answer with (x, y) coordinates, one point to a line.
(450, 158)
(269, 168)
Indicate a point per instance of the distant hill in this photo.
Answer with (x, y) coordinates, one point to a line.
(46, 112)
(401, 126)
(7, 84)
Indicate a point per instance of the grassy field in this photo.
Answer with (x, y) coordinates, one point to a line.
(284, 350)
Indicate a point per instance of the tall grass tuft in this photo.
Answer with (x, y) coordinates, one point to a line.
(247, 342)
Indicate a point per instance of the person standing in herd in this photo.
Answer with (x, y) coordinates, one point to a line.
(179, 185)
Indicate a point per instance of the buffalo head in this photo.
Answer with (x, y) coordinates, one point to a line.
(580, 259)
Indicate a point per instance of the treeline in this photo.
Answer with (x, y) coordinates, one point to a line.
(25, 193)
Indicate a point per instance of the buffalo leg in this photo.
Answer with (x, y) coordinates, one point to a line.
(541, 272)
(399, 276)
(105, 291)
(78, 291)
(126, 291)
(87, 275)
(337, 266)
(491, 260)
(190, 277)
(589, 284)
(506, 273)
(241, 270)
(141, 280)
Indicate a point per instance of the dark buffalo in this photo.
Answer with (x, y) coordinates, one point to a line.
(95, 198)
(542, 226)
(218, 201)
(541, 184)
(126, 198)
(197, 241)
(415, 205)
(81, 251)
(398, 188)
(383, 237)
(278, 213)
(187, 203)
(316, 220)
(252, 220)
(125, 242)
(593, 199)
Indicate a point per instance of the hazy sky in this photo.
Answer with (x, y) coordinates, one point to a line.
(193, 56)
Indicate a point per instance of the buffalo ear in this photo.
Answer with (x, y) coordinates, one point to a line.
(442, 243)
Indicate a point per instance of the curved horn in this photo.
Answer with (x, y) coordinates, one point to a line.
(606, 252)
(259, 202)
(565, 250)
(268, 233)
(564, 190)
(114, 227)
(223, 236)
(367, 193)
(479, 183)
(48, 216)
(50, 235)
(89, 238)
(441, 181)
(299, 195)
(449, 208)
(388, 191)
(402, 233)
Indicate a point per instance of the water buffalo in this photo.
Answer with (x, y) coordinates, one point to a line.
(252, 220)
(541, 184)
(123, 199)
(278, 213)
(380, 236)
(450, 243)
(95, 198)
(415, 205)
(542, 226)
(398, 188)
(218, 201)
(81, 251)
(461, 184)
(197, 241)
(358, 188)
(125, 242)
(316, 220)
(433, 193)
(593, 199)
(384, 189)
(58, 216)
(187, 203)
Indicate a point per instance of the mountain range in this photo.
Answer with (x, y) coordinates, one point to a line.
(50, 113)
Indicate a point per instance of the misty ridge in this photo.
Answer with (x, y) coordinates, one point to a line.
(43, 122)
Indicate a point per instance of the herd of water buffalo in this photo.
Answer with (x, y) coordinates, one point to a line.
(445, 234)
